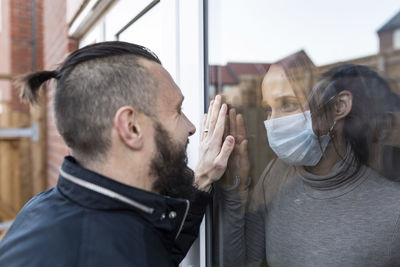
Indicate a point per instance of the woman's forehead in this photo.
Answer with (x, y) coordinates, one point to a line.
(281, 87)
(275, 74)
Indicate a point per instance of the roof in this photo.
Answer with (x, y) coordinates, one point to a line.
(221, 75)
(241, 68)
(392, 24)
(230, 73)
(298, 59)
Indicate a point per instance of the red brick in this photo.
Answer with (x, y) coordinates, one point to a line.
(56, 47)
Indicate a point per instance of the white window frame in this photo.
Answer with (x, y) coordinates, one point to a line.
(189, 71)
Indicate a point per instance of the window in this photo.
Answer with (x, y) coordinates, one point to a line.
(147, 31)
(171, 30)
(297, 185)
(396, 39)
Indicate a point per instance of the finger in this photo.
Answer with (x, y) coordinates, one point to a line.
(243, 149)
(218, 131)
(226, 130)
(232, 122)
(239, 139)
(208, 114)
(203, 126)
(221, 160)
(241, 130)
(214, 114)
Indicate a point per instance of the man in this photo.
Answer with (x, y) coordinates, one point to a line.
(125, 196)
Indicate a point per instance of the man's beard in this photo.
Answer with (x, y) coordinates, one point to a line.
(169, 165)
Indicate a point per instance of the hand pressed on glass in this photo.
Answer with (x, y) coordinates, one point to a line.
(237, 172)
(214, 152)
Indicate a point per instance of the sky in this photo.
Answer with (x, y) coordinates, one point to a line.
(268, 30)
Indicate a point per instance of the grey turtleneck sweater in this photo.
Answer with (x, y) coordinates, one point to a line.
(349, 217)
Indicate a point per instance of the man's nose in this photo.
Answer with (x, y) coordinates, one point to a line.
(192, 128)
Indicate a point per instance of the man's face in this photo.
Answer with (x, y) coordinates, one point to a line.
(169, 106)
(172, 129)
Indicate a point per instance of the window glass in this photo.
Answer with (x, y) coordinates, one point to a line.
(315, 112)
(146, 31)
(121, 13)
(156, 30)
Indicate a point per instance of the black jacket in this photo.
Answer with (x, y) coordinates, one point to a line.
(90, 220)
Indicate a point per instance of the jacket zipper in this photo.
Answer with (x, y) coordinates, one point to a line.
(184, 218)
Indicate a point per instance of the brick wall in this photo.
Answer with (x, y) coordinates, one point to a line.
(16, 48)
(57, 45)
(21, 52)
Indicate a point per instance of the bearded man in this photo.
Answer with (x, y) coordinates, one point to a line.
(125, 196)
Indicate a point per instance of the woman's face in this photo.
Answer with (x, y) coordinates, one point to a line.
(278, 95)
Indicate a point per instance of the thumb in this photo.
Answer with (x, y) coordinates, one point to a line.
(226, 150)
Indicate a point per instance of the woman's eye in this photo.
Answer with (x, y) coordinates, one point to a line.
(289, 107)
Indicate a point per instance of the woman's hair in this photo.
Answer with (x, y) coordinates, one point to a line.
(372, 100)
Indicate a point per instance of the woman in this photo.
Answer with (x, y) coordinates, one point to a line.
(318, 204)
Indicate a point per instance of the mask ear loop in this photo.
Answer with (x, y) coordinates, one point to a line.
(330, 132)
(332, 135)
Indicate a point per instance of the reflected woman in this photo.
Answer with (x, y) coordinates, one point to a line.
(318, 204)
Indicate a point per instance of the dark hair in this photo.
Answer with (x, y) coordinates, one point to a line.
(372, 98)
(92, 83)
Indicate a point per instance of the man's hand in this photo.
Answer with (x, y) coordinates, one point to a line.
(214, 152)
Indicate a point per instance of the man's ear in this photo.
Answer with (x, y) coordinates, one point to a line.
(128, 127)
(342, 105)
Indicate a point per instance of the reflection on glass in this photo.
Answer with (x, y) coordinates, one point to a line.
(313, 179)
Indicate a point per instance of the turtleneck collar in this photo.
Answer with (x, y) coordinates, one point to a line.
(344, 177)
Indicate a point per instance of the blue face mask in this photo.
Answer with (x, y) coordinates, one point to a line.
(293, 140)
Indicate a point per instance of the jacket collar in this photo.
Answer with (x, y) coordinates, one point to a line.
(94, 191)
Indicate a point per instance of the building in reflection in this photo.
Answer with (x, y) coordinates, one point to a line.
(389, 34)
(239, 81)
(387, 60)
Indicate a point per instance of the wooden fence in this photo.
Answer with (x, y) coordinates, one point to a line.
(22, 161)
